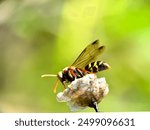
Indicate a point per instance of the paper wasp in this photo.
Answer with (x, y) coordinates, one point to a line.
(85, 64)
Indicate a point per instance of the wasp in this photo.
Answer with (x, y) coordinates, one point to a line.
(85, 64)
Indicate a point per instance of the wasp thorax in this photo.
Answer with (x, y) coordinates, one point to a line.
(71, 73)
(65, 69)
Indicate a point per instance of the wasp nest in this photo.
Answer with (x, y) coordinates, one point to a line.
(84, 92)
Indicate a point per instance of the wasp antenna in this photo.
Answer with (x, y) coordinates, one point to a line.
(48, 75)
(55, 86)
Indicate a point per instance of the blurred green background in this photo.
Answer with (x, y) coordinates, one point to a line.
(38, 37)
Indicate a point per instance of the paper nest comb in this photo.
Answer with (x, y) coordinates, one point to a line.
(84, 92)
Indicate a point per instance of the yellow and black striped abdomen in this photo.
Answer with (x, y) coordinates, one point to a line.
(97, 66)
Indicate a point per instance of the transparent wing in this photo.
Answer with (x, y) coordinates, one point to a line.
(89, 54)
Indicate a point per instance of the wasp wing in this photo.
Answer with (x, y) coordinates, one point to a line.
(89, 54)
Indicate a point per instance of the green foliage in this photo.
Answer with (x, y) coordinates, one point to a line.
(44, 37)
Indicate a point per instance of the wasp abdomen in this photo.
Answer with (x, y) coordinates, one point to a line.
(97, 66)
